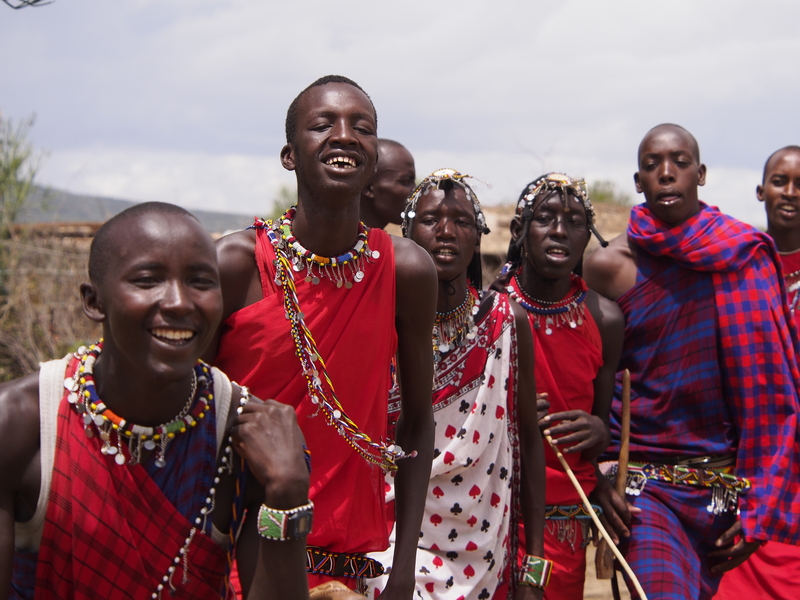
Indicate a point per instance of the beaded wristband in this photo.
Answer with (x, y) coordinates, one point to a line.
(273, 524)
(535, 571)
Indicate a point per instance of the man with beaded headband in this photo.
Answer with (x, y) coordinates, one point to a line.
(577, 340)
(714, 435)
(316, 306)
(487, 468)
(774, 570)
(97, 500)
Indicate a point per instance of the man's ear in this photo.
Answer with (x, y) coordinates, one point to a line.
(701, 175)
(368, 191)
(636, 181)
(287, 157)
(92, 306)
(760, 193)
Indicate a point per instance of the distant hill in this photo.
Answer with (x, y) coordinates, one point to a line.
(56, 206)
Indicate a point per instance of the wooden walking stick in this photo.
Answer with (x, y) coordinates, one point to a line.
(604, 557)
(591, 512)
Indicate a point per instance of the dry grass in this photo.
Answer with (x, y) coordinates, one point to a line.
(40, 311)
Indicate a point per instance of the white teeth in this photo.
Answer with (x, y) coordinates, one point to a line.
(173, 334)
(341, 161)
(445, 252)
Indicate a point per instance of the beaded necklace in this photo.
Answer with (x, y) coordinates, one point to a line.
(453, 327)
(567, 311)
(320, 387)
(83, 396)
(343, 270)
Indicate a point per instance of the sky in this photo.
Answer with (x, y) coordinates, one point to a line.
(184, 100)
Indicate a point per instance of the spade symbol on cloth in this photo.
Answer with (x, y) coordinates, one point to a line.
(469, 571)
(438, 492)
(436, 519)
(437, 561)
(450, 432)
(475, 491)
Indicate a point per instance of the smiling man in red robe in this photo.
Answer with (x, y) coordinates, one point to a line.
(316, 306)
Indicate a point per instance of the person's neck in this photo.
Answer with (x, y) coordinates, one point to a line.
(541, 288)
(451, 293)
(368, 216)
(787, 240)
(327, 228)
(137, 398)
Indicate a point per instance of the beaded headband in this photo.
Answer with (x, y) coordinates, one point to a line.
(434, 181)
(565, 185)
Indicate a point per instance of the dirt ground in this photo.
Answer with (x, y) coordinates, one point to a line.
(596, 589)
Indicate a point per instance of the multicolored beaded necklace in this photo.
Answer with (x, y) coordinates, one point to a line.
(568, 311)
(453, 327)
(333, 268)
(320, 387)
(83, 396)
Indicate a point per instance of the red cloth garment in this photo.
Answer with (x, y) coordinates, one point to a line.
(111, 533)
(355, 332)
(774, 570)
(565, 366)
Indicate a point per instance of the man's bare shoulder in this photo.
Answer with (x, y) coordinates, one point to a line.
(19, 423)
(413, 265)
(236, 251)
(611, 271)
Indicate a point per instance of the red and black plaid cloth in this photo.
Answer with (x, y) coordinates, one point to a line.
(758, 348)
(110, 532)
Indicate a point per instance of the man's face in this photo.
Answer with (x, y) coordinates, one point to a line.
(393, 183)
(159, 299)
(669, 173)
(445, 226)
(336, 144)
(556, 237)
(780, 191)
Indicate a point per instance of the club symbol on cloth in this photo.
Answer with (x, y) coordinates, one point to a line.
(456, 509)
(456, 479)
(464, 406)
(452, 535)
(452, 555)
(485, 526)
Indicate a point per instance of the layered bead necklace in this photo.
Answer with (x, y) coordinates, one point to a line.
(454, 327)
(567, 311)
(82, 395)
(320, 387)
(343, 270)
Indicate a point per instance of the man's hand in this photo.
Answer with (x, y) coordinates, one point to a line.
(732, 552)
(616, 510)
(542, 406)
(267, 436)
(576, 430)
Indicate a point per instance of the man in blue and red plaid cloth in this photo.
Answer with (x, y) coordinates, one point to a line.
(712, 349)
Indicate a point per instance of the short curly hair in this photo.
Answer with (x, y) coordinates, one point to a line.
(291, 114)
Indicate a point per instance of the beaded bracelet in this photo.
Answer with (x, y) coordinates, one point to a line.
(535, 571)
(281, 525)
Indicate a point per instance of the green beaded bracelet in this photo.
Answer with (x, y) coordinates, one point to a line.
(535, 571)
(281, 525)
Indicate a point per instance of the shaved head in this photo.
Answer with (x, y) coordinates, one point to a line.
(775, 155)
(674, 128)
(102, 248)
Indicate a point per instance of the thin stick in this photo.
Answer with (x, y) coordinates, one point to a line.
(604, 558)
(597, 522)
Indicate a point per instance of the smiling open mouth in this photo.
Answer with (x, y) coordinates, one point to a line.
(341, 162)
(173, 336)
(444, 252)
